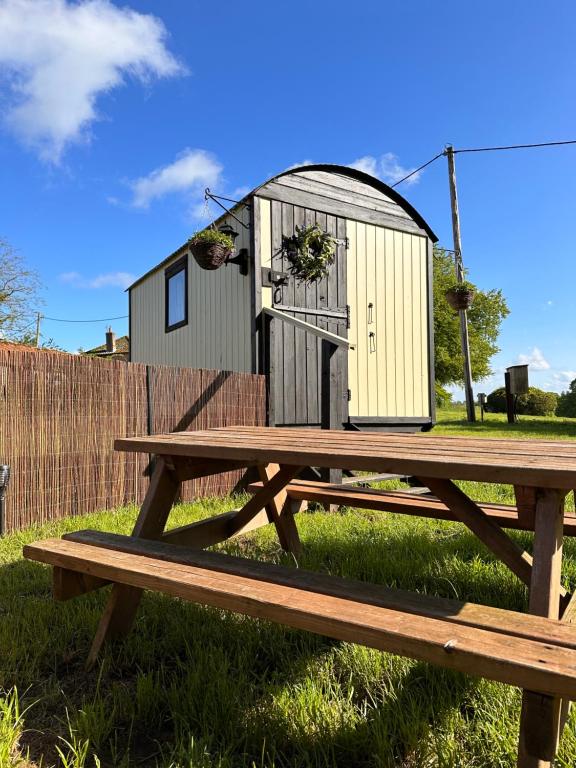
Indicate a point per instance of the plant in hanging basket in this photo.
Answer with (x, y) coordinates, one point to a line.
(460, 295)
(311, 252)
(211, 248)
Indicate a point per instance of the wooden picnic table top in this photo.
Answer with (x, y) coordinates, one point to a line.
(536, 463)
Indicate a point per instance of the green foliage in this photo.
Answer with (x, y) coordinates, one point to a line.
(464, 287)
(194, 687)
(484, 321)
(213, 236)
(28, 339)
(567, 402)
(311, 251)
(443, 397)
(535, 402)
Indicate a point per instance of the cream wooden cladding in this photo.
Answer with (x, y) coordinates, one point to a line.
(388, 373)
(265, 244)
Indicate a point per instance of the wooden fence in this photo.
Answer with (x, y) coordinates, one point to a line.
(60, 413)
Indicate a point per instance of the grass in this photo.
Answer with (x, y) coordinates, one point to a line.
(193, 687)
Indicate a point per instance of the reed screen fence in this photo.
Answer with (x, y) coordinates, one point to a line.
(60, 414)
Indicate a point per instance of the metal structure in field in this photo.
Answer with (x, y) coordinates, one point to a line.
(364, 332)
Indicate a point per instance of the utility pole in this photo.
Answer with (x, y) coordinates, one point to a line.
(469, 394)
(38, 318)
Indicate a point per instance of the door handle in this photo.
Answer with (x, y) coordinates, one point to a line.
(372, 342)
(370, 313)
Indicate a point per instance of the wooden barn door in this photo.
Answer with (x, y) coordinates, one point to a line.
(296, 356)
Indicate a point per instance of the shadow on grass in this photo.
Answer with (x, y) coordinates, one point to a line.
(242, 688)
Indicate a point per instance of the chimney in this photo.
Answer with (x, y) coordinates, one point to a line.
(110, 340)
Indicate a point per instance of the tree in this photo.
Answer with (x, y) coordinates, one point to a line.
(19, 288)
(484, 320)
(567, 401)
(535, 402)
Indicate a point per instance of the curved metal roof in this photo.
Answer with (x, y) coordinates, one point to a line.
(365, 178)
(342, 170)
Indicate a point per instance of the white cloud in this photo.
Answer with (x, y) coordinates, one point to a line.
(297, 165)
(58, 57)
(386, 167)
(240, 192)
(106, 280)
(561, 380)
(535, 359)
(191, 172)
(366, 164)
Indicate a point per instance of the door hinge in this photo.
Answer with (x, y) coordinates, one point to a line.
(347, 315)
(349, 395)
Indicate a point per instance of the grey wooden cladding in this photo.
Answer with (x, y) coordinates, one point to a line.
(296, 356)
(344, 190)
(276, 190)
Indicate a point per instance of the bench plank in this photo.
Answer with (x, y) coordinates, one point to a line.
(405, 503)
(338, 609)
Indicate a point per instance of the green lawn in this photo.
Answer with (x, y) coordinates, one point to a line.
(199, 688)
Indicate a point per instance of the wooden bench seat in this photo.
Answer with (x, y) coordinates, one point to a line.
(519, 649)
(404, 503)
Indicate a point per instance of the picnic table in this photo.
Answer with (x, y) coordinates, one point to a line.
(535, 651)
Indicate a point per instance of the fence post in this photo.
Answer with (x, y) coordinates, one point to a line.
(150, 417)
(4, 480)
(330, 400)
(510, 404)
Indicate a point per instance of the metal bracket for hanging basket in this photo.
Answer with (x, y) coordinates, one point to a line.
(241, 261)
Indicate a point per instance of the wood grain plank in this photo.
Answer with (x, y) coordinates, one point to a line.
(405, 503)
(518, 661)
(540, 718)
(469, 614)
(124, 599)
(489, 532)
(383, 455)
(280, 512)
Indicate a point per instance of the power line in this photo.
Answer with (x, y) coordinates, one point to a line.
(100, 320)
(484, 149)
(515, 146)
(417, 170)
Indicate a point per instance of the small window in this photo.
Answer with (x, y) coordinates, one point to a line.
(176, 277)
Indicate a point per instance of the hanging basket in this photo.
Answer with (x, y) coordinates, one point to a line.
(210, 255)
(459, 298)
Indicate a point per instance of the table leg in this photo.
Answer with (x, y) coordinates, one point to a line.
(541, 715)
(279, 511)
(123, 602)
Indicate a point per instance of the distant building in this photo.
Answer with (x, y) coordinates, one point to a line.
(113, 348)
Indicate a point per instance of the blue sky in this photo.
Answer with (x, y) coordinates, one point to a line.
(115, 118)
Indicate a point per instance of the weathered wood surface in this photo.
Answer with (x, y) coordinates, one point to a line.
(297, 356)
(541, 716)
(469, 614)
(488, 531)
(538, 663)
(407, 503)
(533, 463)
(124, 600)
(280, 512)
(275, 190)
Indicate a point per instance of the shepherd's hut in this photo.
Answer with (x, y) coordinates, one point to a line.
(352, 349)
